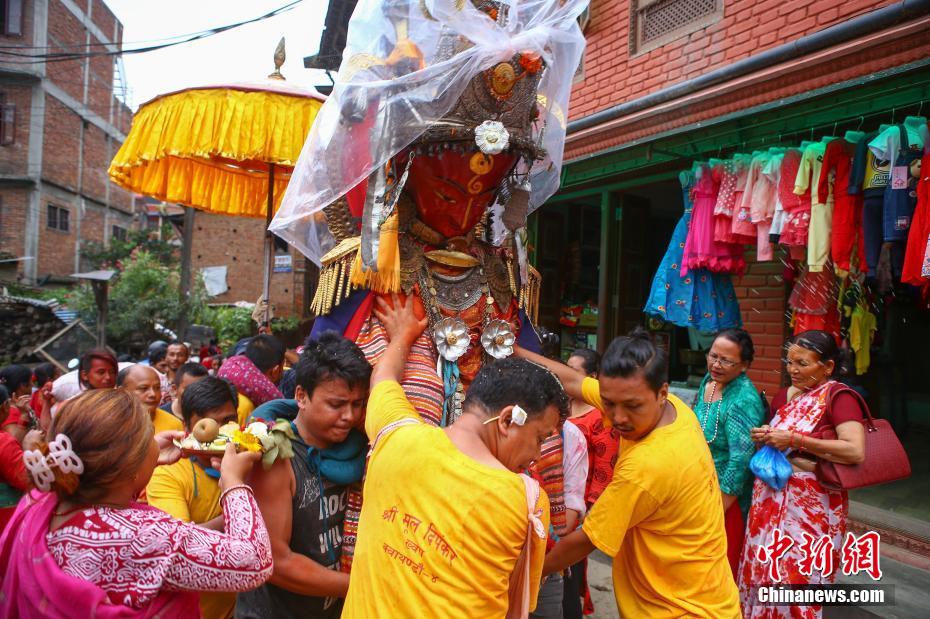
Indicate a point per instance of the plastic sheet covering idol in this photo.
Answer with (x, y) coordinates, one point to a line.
(405, 66)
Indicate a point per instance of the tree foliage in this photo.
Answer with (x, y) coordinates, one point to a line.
(100, 256)
(230, 323)
(145, 292)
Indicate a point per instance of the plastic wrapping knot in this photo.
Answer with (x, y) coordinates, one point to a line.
(771, 466)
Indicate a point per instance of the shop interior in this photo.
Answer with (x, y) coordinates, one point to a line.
(640, 218)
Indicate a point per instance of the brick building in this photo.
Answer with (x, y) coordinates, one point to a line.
(236, 244)
(61, 125)
(667, 83)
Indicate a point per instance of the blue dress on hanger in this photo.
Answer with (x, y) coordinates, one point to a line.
(701, 299)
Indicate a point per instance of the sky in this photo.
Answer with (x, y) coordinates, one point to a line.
(241, 54)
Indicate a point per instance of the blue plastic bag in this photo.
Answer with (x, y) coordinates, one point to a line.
(771, 466)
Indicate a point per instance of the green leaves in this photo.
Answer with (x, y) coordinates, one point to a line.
(277, 443)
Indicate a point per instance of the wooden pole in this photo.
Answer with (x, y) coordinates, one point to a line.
(269, 244)
(100, 297)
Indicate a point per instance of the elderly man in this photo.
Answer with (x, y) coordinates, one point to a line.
(144, 382)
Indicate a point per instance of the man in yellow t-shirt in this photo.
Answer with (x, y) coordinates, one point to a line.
(660, 518)
(188, 489)
(445, 515)
(144, 383)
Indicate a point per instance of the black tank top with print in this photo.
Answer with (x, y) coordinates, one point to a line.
(316, 532)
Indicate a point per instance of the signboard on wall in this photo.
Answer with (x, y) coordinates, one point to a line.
(283, 264)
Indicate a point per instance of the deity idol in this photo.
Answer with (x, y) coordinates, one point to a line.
(441, 208)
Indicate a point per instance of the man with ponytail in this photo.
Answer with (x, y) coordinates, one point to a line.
(660, 518)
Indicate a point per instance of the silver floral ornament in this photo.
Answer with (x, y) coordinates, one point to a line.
(498, 339)
(451, 338)
(491, 137)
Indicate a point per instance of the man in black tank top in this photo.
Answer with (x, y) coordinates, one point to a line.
(303, 499)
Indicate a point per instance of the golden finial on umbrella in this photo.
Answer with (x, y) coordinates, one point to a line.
(279, 57)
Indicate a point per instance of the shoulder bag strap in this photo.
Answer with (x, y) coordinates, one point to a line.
(519, 593)
(839, 388)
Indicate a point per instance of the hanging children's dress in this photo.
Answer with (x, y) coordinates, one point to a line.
(774, 209)
(742, 227)
(797, 207)
(818, 232)
(701, 250)
(846, 240)
(758, 196)
(869, 177)
(917, 257)
(726, 175)
(701, 299)
(900, 199)
(813, 300)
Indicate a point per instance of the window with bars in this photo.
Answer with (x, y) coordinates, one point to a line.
(58, 218)
(119, 233)
(653, 23)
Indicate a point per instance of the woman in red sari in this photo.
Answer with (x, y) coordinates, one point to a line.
(804, 510)
(80, 546)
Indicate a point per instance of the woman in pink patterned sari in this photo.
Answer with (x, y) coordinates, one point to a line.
(804, 512)
(80, 546)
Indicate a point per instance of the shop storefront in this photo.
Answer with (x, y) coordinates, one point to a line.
(615, 218)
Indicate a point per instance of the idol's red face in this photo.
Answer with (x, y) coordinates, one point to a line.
(452, 190)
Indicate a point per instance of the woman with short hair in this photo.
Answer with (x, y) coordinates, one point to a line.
(728, 407)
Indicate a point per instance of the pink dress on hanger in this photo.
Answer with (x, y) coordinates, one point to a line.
(701, 251)
(725, 174)
(797, 207)
(741, 226)
(759, 196)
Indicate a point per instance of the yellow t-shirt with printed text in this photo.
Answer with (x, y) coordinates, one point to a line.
(661, 519)
(439, 533)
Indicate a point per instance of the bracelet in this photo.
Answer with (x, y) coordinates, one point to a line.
(230, 489)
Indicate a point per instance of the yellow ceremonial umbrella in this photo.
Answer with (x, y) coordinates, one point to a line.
(225, 149)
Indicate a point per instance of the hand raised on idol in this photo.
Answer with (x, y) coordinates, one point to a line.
(402, 316)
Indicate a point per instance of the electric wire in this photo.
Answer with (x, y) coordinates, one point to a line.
(25, 58)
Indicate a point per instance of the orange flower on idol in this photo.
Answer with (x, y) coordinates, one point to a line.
(531, 62)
